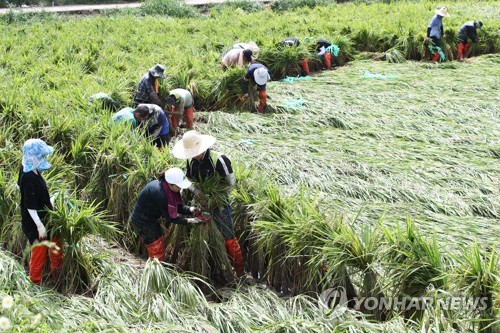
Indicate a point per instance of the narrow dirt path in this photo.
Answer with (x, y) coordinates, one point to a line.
(97, 8)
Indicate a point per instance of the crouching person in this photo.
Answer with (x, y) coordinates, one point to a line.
(162, 198)
(35, 204)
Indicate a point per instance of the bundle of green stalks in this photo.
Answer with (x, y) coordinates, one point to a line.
(282, 61)
(200, 248)
(71, 221)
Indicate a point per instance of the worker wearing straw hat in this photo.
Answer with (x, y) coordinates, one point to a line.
(35, 204)
(202, 164)
(248, 46)
(147, 90)
(259, 74)
(161, 198)
(435, 32)
(466, 31)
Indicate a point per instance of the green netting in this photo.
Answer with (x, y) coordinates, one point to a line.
(369, 75)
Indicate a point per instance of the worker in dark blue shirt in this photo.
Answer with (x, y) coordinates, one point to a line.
(258, 74)
(466, 31)
(161, 198)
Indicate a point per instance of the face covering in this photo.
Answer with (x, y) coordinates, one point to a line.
(34, 153)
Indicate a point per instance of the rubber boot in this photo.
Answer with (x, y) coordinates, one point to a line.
(461, 52)
(174, 119)
(236, 256)
(156, 249)
(263, 101)
(189, 114)
(304, 64)
(37, 261)
(55, 257)
(328, 60)
(435, 57)
(466, 49)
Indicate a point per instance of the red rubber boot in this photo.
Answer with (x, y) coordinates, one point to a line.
(304, 64)
(189, 114)
(435, 57)
(236, 256)
(461, 52)
(328, 60)
(37, 261)
(156, 249)
(466, 49)
(55, 257)
(263, 101)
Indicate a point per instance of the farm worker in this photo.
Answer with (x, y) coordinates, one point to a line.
(161, 198)
(147, 90)
(248, 46)
(325, 50)
(157, 124)
(435, 31)
(35, 204)
(202, 164)
(294, 42)
(105, 100)
(181, 107)
(134, 117)
(466, 31)
(259, 74)
(237, 58)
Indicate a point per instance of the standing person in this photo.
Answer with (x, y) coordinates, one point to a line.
(133, 117)
(157, 124)
(466, 31)
(161, 198)
(325, 50)
(435, 31)
(258, 74)
(203, 163)
(181, 107)
(237, 58)
(35, 204)
(147, 90)
(294, 42)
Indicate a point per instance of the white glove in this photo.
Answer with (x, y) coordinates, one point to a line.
(194, 220)
(42, 232)
(196, 211)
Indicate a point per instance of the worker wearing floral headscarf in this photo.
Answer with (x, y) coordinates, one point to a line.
(35, 203)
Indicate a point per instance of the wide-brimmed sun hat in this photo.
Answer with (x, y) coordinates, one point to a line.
(442, 11)
(34, 153)
(175, 176)
(157, 71)
(261, 76)
(192, 144)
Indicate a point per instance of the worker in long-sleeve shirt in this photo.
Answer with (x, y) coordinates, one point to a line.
(147, 90)
(161, 198)
(466, 31)
(157, 124)
(181, 107)
(435, 32)
(202, 164)
(257, 73)
(325, 50)
(35, 206)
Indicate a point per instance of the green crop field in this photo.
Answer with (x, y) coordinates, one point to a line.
(381, 177)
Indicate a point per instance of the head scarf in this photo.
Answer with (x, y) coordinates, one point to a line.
(34, 153)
